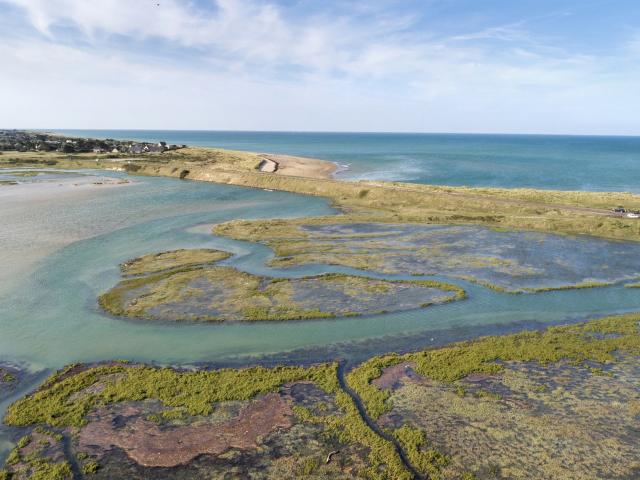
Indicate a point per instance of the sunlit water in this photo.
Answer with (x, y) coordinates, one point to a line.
(70, 247)
(538, 161)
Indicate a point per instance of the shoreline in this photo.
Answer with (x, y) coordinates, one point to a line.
(550, 211)
(296, 166)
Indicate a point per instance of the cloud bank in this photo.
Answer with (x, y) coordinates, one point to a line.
(338, 66)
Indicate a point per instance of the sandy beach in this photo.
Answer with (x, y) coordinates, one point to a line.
(298, 166)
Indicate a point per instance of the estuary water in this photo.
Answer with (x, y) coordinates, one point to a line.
(535, 161)
(63, 239)
(50, 316)
(64, 235)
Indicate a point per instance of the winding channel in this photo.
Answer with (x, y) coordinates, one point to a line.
(373, 425)
(64, 253)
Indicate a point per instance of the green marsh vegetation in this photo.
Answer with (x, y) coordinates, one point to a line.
(595, 341)
(586, 345)
(157, 262)
(525, 411)
(510, 262)
(66, 400)
(178, 286)
(37, 456)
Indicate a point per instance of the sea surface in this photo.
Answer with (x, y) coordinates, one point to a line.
(536, 161)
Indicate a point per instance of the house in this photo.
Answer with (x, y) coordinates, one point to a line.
(115, 150)
(157, 148)
(98, 150)
(137, 148)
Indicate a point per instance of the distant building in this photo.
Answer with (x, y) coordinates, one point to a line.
(157, 148)
(137, 148)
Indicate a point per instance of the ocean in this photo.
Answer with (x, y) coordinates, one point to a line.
(595, 163)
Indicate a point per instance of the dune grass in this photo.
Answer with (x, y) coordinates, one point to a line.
(550, 211)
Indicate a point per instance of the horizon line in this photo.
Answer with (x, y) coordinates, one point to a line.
(340, 132)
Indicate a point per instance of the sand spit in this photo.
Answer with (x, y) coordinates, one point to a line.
(297, 166)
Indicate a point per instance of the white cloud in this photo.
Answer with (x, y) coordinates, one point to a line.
(258, 67)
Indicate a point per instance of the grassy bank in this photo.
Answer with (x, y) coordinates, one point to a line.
(539, 210)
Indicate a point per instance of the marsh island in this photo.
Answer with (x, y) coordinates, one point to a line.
(175, 286)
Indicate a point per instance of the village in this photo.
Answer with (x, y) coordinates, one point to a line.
(25, 141)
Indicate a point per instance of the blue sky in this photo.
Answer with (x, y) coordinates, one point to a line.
(432, 65)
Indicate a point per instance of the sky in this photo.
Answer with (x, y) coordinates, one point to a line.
(475, 66)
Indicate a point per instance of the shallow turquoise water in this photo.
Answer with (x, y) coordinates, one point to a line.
(537, 161)
(50, 317)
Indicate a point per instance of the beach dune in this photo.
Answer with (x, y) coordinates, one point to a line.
(297, 166)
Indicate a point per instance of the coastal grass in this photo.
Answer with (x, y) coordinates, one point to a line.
(167, 281)
(595, 341)
(68, 397)
(577, 286)
(158, 262)
(562, 212)
(113, 301)
(298, 242)
(66, 401)
(385, 463)
(426, 459)
(36, 464)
